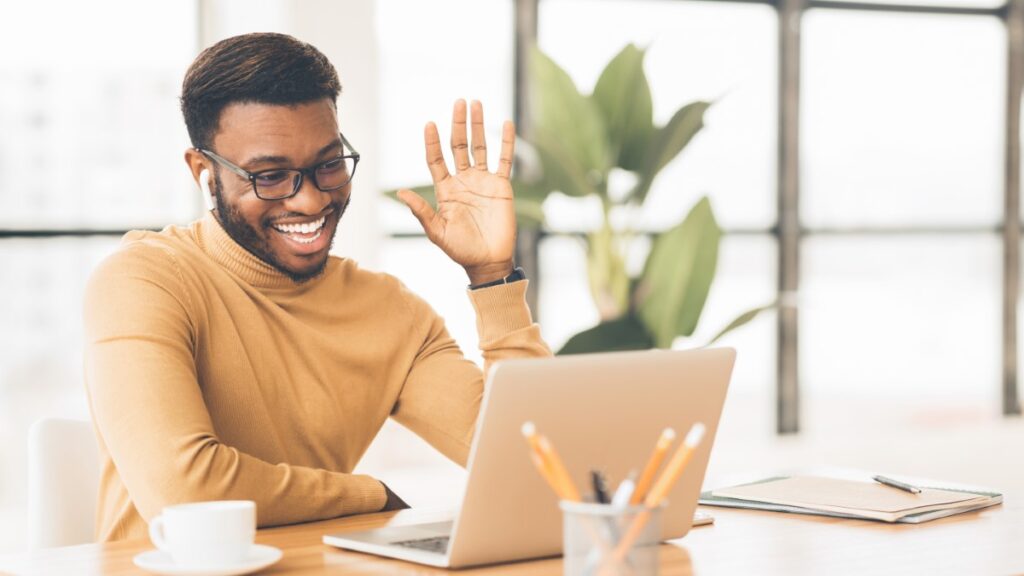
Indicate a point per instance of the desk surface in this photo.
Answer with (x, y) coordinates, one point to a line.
(990, 541)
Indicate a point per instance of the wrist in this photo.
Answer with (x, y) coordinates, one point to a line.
(489, 272)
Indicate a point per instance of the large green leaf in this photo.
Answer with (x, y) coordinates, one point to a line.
(669, 142)
(623, 96)
(626, 333)
(526, 189)
(566, 127)
(529, 200)
(740, 320)
(529, 209)
(606, 270)
(678, 274)
(529, 212)
(561, 171)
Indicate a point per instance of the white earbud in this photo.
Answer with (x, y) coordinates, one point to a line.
(204, 185)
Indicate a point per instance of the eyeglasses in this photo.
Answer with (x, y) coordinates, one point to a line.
(282, 183)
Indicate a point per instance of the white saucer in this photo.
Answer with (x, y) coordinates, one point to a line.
(160, 562)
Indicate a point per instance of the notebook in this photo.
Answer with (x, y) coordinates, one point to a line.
(850, 499)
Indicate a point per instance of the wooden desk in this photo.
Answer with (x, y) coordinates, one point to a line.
(740, 542)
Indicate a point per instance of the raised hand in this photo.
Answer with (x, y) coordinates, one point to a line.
(475, 220)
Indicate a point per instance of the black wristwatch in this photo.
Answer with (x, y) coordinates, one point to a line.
(515, 276)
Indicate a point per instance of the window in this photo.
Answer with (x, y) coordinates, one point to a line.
(902, 318)
(92, 135)
(902, 131)
(902, 127)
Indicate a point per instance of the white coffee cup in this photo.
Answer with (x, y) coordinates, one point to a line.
(206, 534)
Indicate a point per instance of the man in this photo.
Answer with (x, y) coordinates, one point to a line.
(235, 359)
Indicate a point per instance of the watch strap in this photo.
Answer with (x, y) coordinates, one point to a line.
(516, 275)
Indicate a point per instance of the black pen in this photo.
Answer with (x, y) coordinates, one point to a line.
(600, 487)
(897, 484)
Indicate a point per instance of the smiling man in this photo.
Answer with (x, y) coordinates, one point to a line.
(237, 359)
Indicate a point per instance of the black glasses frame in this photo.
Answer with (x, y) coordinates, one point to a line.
(302, 172)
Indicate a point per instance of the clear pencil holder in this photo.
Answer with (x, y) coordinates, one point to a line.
(605, 540)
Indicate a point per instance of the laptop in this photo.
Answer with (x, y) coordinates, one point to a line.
(601, 411)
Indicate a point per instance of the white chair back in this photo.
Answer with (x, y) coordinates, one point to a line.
(63, 483)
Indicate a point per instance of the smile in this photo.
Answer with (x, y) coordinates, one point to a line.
(305, 233)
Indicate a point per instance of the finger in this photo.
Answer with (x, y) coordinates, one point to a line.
(476, 115)
(421, 209)
(508, 148)
(435, 159)
(460, 148)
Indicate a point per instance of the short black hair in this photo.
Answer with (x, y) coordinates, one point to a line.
(265, 68)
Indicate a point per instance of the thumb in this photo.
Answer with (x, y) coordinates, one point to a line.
(421, 209)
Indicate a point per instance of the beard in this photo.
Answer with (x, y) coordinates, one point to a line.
(255, 243)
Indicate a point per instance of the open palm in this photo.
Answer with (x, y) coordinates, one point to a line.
(474, 222)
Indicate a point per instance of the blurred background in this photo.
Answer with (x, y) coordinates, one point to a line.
(886, 135)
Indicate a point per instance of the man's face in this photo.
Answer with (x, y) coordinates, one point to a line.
(260, 137)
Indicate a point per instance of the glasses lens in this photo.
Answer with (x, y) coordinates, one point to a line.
(335, 173)
(276, 183)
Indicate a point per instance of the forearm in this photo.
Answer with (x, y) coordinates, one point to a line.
(206, 469)
(441, 397)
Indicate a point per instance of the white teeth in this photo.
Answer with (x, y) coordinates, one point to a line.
(305, 228)
(301, 240)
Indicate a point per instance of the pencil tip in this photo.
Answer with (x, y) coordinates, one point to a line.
(529, 429)
(695, 435)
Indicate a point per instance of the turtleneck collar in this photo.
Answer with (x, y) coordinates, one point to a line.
(216, 242)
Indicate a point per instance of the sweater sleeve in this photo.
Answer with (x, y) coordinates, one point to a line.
(148, 407)
(441, 397)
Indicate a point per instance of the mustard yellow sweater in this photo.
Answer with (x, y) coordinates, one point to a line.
(212, 376)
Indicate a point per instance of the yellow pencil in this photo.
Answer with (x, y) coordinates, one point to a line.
(550, 466)
(558, 470)
(539, 461)
(668, 436)
(675, 467)
(673, 470)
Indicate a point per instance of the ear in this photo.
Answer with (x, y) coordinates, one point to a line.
(196, 162)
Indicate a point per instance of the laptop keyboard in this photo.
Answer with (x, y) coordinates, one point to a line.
(436, 544)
